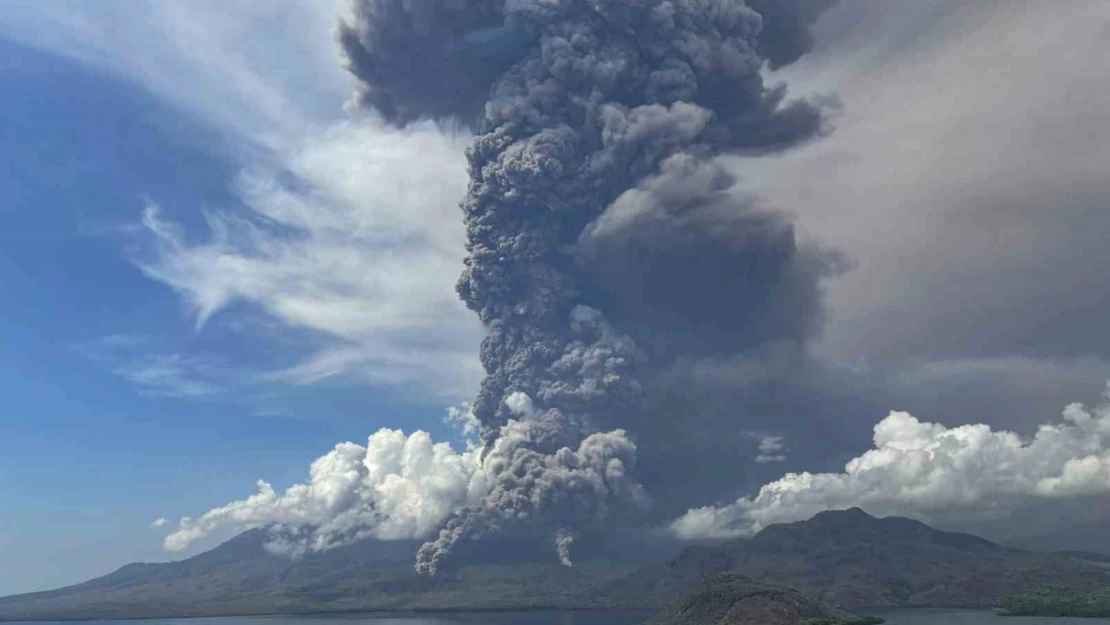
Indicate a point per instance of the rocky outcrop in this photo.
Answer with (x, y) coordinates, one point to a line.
(731, 599)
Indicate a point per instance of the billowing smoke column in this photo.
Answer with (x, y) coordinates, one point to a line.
(563, 542)
(603, 236)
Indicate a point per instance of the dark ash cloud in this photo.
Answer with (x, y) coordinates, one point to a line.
(598, 125)
(786, 32)
(640, 286)
(430, 59)
(754, 283)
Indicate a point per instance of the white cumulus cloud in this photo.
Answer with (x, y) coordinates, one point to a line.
(399, 487)
(395, 487)
(933, 472)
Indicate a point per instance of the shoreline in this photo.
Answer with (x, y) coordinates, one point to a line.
(417, 612)
(344, 613)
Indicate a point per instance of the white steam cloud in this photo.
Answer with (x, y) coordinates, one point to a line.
(929, 470)
(564, 540)
(771, 449)
(395, 487)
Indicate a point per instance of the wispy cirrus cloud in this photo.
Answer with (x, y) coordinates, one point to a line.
(771, 449)
(342, 232)
(171, 375)
(261, 70)
(157, 369)
(355, 237)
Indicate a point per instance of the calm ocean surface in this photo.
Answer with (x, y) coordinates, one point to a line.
(968, 617)
(898, 617)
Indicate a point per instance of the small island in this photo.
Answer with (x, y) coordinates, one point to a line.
(732, 599)
(1059, 601)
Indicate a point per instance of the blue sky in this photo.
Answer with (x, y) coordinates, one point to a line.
(213, 271)
(134, 384)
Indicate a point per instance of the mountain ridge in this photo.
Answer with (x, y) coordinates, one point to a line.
(845, 557)
(856, 560)
(1091, 537)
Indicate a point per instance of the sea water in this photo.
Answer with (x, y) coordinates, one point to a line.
(612, 617)
(966, 617)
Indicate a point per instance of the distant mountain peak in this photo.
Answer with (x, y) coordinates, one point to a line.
(848, 556)
(840, 528)
(854, 514)
(854, 511)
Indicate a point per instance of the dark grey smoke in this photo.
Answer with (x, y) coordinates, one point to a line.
(786, 37)
(414, 60)
(753, 285)
(605, 240)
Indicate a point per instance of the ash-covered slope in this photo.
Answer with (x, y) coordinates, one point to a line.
(242, 577)
(239, 576)
(854, 559)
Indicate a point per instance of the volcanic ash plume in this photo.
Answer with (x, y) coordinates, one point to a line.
(577, 104)
(564, 540)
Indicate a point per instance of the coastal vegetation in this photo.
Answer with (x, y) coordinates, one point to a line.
(1059, 601)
